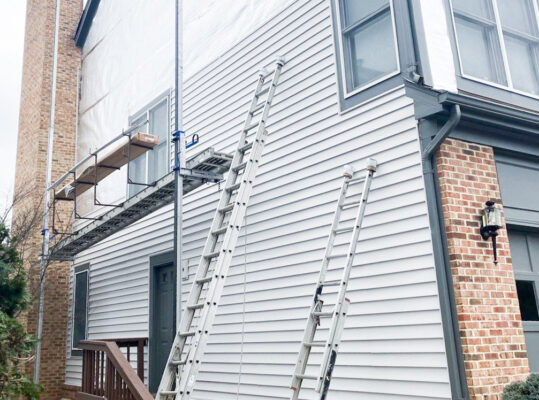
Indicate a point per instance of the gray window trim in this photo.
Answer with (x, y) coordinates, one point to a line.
(405, 49)
(146, 110)
(79, 269)
(471, 85)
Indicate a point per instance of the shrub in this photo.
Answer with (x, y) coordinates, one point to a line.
(527, 390)
(16, 345)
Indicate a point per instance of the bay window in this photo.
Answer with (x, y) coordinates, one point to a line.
(498, 42)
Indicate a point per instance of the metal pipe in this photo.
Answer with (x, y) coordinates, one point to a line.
(179, 150)
(439, 243)
(443, 133)
(46, 202)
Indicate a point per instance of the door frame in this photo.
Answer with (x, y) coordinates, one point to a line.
(156, 261)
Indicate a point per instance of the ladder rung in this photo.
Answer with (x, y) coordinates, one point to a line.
(240, 167)
(259, 106)
(331, 256)
(315, 344)
(332, 283)
(196, 306)
(263, 92)
(187, 334)
(343, 230)
(233, 187)
(204, 280)
(301, 376)
(168, 393)
(179, 362)
(213, 254)
(246, 147)
(322, 314)
(351, 203)
(227, 208)
(253, 125)
(219, 231)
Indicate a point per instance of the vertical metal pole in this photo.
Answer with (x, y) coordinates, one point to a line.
(46, 203)
(179, 155)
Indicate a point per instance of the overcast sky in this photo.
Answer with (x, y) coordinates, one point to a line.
(12, 17)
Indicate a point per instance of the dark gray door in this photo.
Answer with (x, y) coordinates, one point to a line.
(162, 318)
(525, 255)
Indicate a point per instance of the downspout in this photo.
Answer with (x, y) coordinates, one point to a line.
(179, 159)
(46, 201)
(439, 241)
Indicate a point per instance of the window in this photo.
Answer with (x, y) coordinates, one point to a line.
(368, 42)
(153, 164)
(527, 300)
(498, 42)
(80, 307)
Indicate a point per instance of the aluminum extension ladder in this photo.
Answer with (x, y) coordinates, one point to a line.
(338, 313)
(191, 338)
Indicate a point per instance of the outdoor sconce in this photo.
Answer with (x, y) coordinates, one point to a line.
(491, 221)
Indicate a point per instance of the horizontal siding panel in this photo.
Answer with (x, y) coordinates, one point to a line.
(393, 345)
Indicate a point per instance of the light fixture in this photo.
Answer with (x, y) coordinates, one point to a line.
(491, 221)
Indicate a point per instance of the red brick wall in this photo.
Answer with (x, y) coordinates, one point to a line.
(487, 304)
(31, 161)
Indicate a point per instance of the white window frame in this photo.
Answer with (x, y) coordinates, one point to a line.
(146, 112)
(84, 269)
(499, 30)
(346, 58)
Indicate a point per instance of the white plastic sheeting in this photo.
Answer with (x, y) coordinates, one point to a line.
(435, 37)
(128, 61)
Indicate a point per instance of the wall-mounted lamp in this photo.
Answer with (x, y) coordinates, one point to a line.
(491, 221)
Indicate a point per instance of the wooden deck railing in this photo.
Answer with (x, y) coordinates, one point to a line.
(107, 374)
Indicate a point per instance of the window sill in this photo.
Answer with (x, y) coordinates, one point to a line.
(497, 93)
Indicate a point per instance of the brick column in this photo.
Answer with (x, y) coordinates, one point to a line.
(31, 163)
(487, 304)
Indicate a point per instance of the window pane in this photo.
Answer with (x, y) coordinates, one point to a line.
(137, 173)
(527, 301)
(158, 157)
(80, 304)
(373, 50)
(137, 167)
(481, 8)
(518, 15)
(356, 10)
(522, 64)
(479, 50)
(158, 162)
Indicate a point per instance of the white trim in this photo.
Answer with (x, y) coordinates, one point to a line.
(499, 29)
(146, 111)
(87, 272)
(499, 86)
(348, 94)
(502, 43)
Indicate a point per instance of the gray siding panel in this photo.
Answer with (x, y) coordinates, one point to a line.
(393, 346)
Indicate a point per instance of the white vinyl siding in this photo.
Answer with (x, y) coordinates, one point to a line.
(393, 345)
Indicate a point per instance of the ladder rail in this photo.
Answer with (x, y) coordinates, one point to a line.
(308, 337)
(181, 372)
(186, 383)
(334, 332)
(191, 368)
(339, 312)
